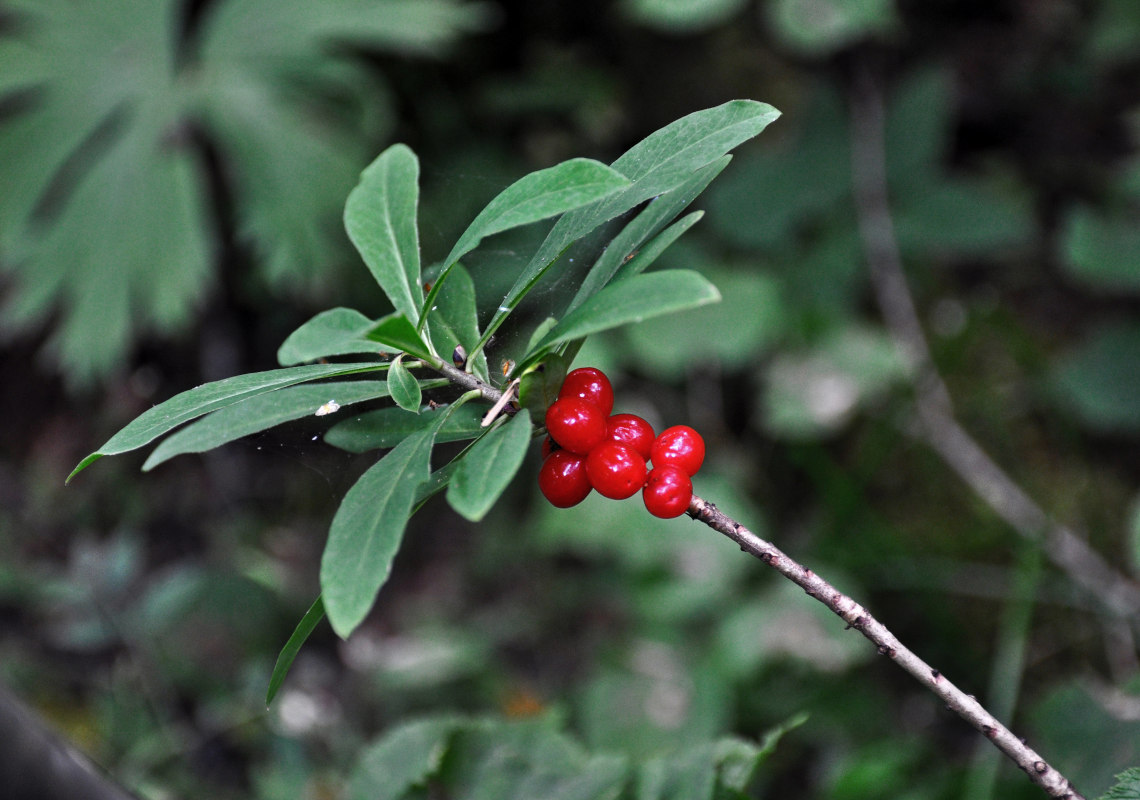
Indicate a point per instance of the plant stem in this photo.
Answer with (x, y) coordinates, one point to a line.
(964, 705)
(466, 380)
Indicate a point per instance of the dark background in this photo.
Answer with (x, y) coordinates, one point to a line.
(140, 614)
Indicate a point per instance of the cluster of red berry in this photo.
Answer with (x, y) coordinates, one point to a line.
(589, 449)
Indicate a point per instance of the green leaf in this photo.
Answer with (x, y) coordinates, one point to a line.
(649, 252)
(820, 27)
(963, 217)
(774, 190)
(405, 388)
(625, 246)
(395, 330)
(1100, 379)
(289, 652)
(682, 16)
(1127, 786)
(264, 411)
(386, 427)
(405, 757)
(455, 321)
(200, 400)
(495, 760)
(537, 196)
(488, 467)
(735, 332)
(1102, 252)
(660, 163)
(633, 300)
(268, 410)
(380, 217)
(367, 530)
(335, 332)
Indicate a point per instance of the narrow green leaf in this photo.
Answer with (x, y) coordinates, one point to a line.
(200, 400)
(367, 529)
(537, 196)
(649, 252)
(625, 246)
(396, 330)
(539, 333)
(661, 162)
(405, 388)
(380, 217)
(387, 427)
(265, 411)
(289, 652)
(454, 320)
(335, 332)
(632, 300)
(438, 481)
(488, 467)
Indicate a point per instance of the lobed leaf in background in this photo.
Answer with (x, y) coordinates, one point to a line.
(487, 759)
(104, 220)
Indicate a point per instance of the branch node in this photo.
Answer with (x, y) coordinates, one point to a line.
(1040, 767)
(936, 674)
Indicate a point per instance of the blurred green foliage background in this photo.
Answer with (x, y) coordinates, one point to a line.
(173, 175)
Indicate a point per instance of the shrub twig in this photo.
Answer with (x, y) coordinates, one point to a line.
(856, 616)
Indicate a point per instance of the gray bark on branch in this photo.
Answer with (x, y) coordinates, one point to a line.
(856, 616)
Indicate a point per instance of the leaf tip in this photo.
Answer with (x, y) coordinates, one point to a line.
(82, 465)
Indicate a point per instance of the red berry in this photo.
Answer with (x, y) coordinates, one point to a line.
(679, 446)
(615, 470)
(575, 424)
(562, 479)
(668, 492)
(630, 430)
(591, 385)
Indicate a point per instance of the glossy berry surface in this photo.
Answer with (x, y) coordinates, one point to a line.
(632, 431)
(668, 492)
(575, 424)
(562, 479)
(681, 447)
(589, 384)
(615, 470)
